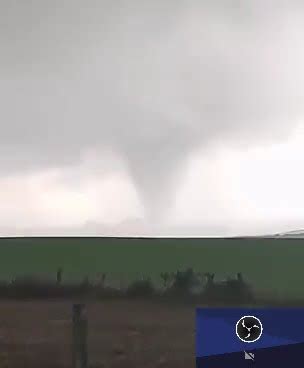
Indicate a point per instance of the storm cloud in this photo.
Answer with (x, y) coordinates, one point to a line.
(145, 85)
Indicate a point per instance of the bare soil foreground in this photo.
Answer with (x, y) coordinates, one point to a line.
(122, 334)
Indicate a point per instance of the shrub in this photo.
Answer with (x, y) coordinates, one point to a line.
(59, 275)
(184, 281)
(165, 276)
(30, 287)
(141, 288)
(228, 291)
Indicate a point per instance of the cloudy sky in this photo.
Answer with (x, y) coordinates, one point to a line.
(151, 117)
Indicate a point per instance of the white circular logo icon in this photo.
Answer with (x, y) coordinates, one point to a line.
(249, 329)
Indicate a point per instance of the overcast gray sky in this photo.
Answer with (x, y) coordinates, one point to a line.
(181, 114)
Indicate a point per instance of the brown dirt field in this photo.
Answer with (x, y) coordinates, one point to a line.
(122, 334)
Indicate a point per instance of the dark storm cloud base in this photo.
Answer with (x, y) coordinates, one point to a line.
(279, 356)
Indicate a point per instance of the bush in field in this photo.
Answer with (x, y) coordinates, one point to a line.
(59, 275)
(230, 290)
(166, 278)
(179, 284)
(34, 287)
(184, 282)
(103, 277)
(4, 289)
(30, 287)
(85, 286)
(141, 288)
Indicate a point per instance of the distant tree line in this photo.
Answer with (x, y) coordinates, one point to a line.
(182, 284)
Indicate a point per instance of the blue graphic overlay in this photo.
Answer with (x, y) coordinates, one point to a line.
(223, 337)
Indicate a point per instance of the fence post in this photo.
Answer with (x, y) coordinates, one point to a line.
(80, 332)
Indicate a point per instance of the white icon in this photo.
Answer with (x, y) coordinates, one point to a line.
(249, 329)
(249, 356)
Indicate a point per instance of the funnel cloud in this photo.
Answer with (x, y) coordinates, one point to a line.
(152, 111)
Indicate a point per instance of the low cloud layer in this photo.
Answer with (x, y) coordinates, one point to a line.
(138, 91)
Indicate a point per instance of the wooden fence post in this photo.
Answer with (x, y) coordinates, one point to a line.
(80, 332)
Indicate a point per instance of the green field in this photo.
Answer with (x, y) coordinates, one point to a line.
(270, 264)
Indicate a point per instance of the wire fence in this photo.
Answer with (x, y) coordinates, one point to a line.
(109, 334)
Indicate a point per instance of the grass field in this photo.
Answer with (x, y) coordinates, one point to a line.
(120, 335)
(270, 264)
